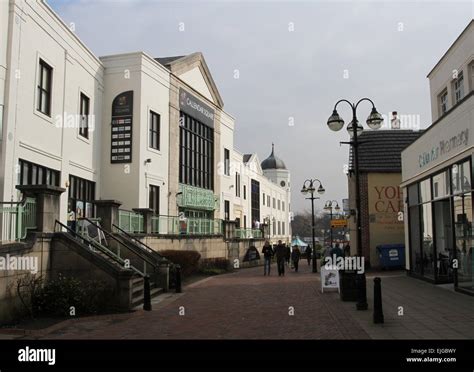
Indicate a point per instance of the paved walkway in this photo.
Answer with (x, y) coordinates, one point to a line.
(247, 305)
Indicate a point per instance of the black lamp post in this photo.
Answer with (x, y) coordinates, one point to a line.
(329, 207)
(335, 123)
(308, 188)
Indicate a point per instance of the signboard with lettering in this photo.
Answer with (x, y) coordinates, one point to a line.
(338, 223)
(122, 127)
(329, 278)
(196, 108)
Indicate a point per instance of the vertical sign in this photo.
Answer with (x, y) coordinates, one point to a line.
(122, 124)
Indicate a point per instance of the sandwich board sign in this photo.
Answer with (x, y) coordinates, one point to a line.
(329, 278)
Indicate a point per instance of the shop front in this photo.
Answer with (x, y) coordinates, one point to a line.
(438, 174)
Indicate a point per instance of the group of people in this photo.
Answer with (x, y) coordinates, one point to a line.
(284, 255)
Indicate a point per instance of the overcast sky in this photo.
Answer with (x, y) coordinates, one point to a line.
(294, 60)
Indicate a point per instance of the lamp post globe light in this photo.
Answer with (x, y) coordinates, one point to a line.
(329, 206)
(335, 123)
(309, 189)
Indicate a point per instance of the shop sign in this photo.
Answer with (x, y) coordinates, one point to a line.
(196, 198)
(121, 129)
(196, 108)
(338, 223)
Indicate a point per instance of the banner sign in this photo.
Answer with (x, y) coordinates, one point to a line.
(338, 223)
(121, 131)
(195, 108)
(329, 278)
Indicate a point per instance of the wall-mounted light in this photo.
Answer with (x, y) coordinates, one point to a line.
(66, 183)
(147, 161)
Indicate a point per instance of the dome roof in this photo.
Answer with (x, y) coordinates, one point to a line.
(272, 162)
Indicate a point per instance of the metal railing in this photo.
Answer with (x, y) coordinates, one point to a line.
(131, 222)
(248, 233)
(16, 219)
(174, 225)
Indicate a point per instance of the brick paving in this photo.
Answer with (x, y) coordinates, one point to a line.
(240, 305)
(247, 305)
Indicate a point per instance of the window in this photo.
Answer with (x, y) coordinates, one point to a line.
(81, 195)
(196, 157)
(245, 192)
(44, 88)
(226, 162)
(154, 139)
(274, 227)
(274, 203)
(34, 174)
(279, 204)
(237, 184)
(226, 210)
(443, 102)
(283, 206)
(268, 200)
(245, 222)
(279, 228)
(154, 199)
(84, 113)
(458, 88)
(283, 228)
(263, 199)
(255, 200)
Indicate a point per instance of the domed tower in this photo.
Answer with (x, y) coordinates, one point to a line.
(275, 169)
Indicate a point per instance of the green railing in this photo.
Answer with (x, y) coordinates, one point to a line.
(16, 219)
(131, 222)
(185, 226)
(248, 233)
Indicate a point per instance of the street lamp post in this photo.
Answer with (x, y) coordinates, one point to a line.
(329, 207)
(308, 188)
(335, 123)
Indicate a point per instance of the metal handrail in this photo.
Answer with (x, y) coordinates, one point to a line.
(108, 234)
(143, 245)
(24, 213)
(103, 249)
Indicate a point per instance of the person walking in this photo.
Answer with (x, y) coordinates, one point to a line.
(308, 251)
(280, 253)
(268, 253)
(288, 255)
(295, 257)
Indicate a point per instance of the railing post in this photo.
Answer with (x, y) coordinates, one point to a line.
(108, 212)
(146, 293)
(378, 312)
(178, 279)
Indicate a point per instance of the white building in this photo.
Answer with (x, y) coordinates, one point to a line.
(438, 175)
(148, 132)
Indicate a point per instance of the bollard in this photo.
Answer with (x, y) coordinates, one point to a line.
(178, 279)
(361, 292)
(146, 293)
(378, 312)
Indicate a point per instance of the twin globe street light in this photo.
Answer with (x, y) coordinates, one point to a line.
(335, 123)
(329, 207)
(309, 188)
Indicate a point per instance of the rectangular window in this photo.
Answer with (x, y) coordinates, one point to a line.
(274, 203)
(154, 199)
(279, 206)
(45, 73)
(196, 157)
(81, 194)
(263, 199)
(283, 228)
(255, 200)
(458, 88)
(226, 210)
(283, 206)
(245, 192)
(443, 102)
(279, 228)
(268, 200)
(84, 113)
(154, 131)
(245, 222)
(237, 184)
(226, 162)
(34, 174)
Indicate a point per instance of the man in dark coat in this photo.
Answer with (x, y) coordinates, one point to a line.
(280, 253)
(268, 253)
(295, 257)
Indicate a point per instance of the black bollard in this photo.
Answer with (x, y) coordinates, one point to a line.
(178, 279)
(378, 312)
(146, 294)
(361, 292)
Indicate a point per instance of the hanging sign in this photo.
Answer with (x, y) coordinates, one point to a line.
(121, 131)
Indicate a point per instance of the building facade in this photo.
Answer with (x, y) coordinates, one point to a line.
(149, 132)
(437, 172)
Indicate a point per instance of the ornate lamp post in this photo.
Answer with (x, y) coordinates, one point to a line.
(329, 207)
(309, 188)
(335, 123)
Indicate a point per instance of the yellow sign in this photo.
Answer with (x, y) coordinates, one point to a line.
(338, 223)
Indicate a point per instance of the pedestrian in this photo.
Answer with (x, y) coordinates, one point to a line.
(267, 257)
(308, 252)
(336, 251)
(288, 255)
(257, 224)
(280, 253)
(295, 257)
(347, 250)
